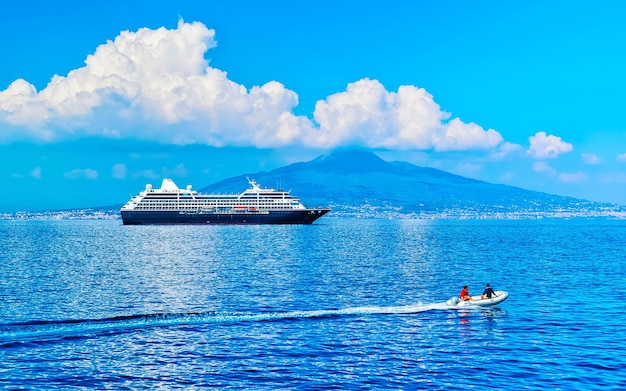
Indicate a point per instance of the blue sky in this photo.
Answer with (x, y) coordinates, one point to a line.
(96, 100)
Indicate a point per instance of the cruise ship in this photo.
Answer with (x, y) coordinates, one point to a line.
(256, 205)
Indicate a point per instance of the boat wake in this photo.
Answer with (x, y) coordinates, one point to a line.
(38, 332)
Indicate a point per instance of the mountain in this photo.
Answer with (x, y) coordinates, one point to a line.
(353, 181)
(359, 183)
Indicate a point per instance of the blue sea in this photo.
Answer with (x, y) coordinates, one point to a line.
(341, 304)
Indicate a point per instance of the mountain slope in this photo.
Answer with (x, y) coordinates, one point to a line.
(347, 179)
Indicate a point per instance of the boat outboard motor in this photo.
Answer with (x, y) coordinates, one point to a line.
(453, 301)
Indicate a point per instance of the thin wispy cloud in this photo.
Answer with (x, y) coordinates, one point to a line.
(542, 166)
(612, 177)
(177, 171)
(80, 173)
(36, 173)
(590, 158)
(118, 171)
(148, 174)
(576, 177)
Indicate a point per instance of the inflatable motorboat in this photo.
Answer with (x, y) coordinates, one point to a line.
(478, 301)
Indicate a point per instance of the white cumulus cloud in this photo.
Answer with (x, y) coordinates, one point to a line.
(369, 115)
(152, 85)
(621, 157)
(543, 146)
(157, 85)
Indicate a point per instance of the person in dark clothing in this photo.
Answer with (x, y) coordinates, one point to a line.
(488, 293)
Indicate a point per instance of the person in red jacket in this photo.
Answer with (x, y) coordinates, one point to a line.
(464, 295)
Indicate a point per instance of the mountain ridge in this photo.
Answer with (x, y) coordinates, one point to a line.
(360, 183)
(349, 179)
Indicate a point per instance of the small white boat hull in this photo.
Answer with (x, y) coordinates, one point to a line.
(477, 301)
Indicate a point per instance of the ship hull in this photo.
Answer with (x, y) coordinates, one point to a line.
(306, 216)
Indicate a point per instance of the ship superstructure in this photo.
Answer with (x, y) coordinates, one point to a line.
(256, 205)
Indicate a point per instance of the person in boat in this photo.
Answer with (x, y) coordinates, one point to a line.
(464, 295)
(488, 293)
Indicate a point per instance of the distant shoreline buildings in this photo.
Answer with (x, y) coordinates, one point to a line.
(371, 212)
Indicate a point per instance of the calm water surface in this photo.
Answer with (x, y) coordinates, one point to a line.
(94, 304)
